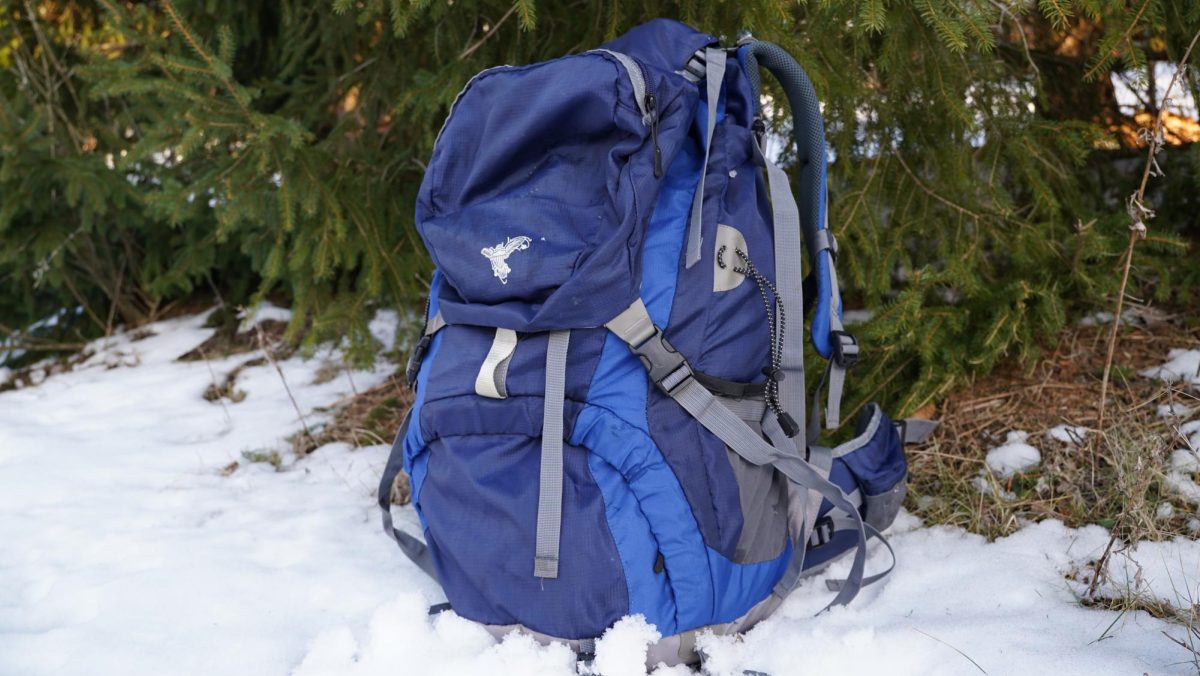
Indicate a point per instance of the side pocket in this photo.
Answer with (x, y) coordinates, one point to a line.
(881, 510)
(875, 458)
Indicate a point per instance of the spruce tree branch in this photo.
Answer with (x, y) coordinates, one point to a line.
(1139, 214)
(933, 193)
(205, 56)
(1125, 37)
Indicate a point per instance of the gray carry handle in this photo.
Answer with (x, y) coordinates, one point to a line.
(807, 127)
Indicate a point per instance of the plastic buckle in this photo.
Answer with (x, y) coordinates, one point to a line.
(667, 368)
(845, 349)
(822, 531)
(415, 359)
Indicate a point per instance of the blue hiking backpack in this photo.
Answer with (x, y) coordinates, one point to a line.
(610, 385)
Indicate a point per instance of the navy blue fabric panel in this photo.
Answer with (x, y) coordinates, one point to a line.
(842, 542)
(480, 499)
(880, 464)
(726, 334)
(463, 349)
(662, 43)
(537, 195)
(701, 464)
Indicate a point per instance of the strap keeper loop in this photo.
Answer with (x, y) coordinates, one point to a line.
(845, 349)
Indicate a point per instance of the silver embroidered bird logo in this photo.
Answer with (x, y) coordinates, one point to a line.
(499, 254)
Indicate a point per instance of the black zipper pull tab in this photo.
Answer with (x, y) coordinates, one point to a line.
(652, 111)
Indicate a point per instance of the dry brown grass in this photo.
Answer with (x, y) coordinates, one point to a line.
(1113, 479)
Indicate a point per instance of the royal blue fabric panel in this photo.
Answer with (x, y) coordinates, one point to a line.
(649, 592)
(542, 178)
(667, 231)
(825, 293)
(415, 460)
(743, 585)
(619, 389)
(631, 453)
(643, 530)
(662, 43)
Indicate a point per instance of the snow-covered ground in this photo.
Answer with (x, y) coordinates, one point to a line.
(125, 549)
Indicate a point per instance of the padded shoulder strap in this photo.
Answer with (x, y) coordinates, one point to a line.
(828, 334)
(809, 129)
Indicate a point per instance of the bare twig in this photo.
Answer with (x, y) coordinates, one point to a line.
(479, 43)
(1006, 12)
(968, 657)
(1138, 215)
(262, 345)
(933, 193)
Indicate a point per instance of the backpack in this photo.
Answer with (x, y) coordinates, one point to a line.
(609, 412)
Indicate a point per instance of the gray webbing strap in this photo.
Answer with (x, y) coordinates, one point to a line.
(821, 459)
(917, 430)
(824, 239)
(435, 324)
(413, 548)
(872, 533)
(786, 217)
(750, 410)
(671, 373)
(550, 481)
(493, 372)
(714, 74)
(837, 372)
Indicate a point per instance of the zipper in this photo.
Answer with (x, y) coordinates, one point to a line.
(643, 94)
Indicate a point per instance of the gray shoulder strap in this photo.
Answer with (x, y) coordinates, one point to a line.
(671, 373)
(786, 221)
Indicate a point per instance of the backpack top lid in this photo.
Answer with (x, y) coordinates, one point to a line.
(536, 197)
(665, 44)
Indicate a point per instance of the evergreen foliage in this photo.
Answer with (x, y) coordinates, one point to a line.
(152, 151)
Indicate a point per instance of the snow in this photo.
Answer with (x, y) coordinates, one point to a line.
(128, 550)
(264, 311)
(1013, 456)
(1175, 410)
(1180, 479)
(1182, 366)
(619, 651)
(1066, 434)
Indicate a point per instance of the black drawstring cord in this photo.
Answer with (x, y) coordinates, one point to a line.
(776, 323)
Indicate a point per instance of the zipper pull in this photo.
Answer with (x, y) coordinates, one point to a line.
(652, 111)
